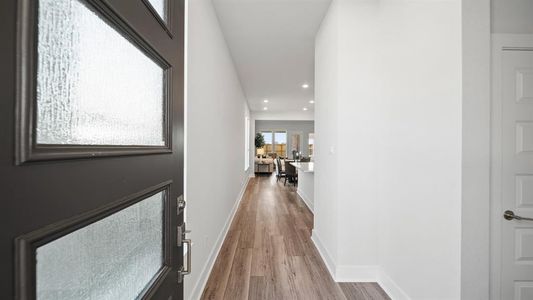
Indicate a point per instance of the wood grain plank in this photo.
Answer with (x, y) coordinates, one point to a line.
(247, 238)
(363, 291)
(259, 231)
(257, 288)
(259, 265)
(277, 271)
(239, 279)
(352, 291)
(292, 243)
(375, 291)
(216, 285)
(306, 288)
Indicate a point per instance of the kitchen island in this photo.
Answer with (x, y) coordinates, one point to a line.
(306, 182)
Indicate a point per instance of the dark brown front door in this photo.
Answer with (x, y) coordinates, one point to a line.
(91, 153)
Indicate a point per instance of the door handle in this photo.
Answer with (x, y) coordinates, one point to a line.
(509, 215)
(189, 250)
(182, 240)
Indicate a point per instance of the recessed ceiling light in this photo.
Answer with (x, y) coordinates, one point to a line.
(266, 100)
(305, 85)
(265, 108)
(305, 108)
(312, 101)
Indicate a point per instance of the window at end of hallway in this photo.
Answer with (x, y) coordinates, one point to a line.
(280, 142)
(267, 148)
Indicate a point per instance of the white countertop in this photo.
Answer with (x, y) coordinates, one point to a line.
(306, 167)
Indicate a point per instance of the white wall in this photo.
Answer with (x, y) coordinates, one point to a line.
(397, 102)
(359, 127)
(325, 231)
(421, 150)
(216, 108)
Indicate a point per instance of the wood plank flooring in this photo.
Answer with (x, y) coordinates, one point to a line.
(268, 252)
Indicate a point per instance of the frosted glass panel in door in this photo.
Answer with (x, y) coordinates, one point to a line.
(94, 87)
(160, 7)
(114, 258)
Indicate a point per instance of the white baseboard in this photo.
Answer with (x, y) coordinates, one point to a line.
(390, 287)
(305, 199)
(348, 273)
(344, 273)
(326, 257)
(206, 270)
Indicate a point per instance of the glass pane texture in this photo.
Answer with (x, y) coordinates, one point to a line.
(94, 87)
(114, 258)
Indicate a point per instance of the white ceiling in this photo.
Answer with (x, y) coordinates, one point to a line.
(272, 44)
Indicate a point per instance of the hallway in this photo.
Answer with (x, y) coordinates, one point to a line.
(268, 252)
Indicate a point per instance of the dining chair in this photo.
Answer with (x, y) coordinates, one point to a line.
(290, 174)
(279, 171)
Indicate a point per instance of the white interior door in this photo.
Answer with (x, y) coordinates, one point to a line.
(516, 177)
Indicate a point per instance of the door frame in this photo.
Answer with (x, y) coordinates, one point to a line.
(500, 43)
(475, 164)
